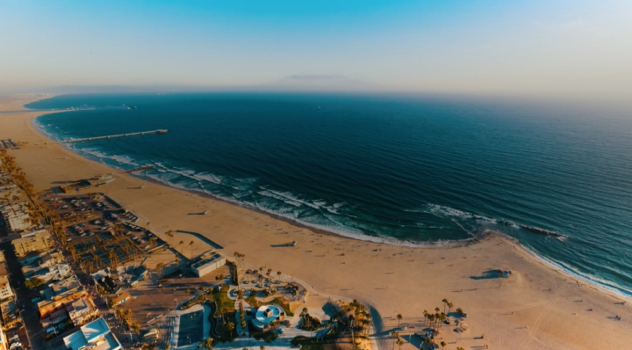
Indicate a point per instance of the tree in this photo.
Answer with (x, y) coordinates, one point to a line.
(208, 343)
(230, 326)
(445, 302)
(450, 306)
(33, 283)
(167, 346)
(159, 268)
(262, 347)
(395, 336)
(187, 291)
(460, 311)
(400, 342)
(136, 327)
(399, 318)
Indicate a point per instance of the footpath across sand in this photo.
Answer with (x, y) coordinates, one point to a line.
(537, 307)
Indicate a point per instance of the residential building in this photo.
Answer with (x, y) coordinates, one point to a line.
(10, 317)
(16, 216)
(54, 273)
(81, 310)
(32, 242)
(120, 299)
(5, 289)
(60, 293)
(95, 335)
(43, 259)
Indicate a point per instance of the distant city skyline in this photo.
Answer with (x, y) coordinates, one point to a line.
(566, 49)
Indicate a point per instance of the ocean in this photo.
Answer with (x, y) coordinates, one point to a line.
(399, 169)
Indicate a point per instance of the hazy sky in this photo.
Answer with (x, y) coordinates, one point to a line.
(557, 48)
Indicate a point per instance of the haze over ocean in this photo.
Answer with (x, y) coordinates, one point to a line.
(415, 169)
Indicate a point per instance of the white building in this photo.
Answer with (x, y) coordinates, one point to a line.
(56, 272)
(95, 335)
(208, 262)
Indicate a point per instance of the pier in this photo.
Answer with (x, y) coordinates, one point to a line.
(159, 131)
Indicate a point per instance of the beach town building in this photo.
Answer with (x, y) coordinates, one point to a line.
(120, 299)
(267, 314)
(207, 263)
(55, 272)
(81, 310)
(42, 259)
(95, 335)
(16, 216)
(5, 289)
(10, 316)
(60, 293)
(37, 241)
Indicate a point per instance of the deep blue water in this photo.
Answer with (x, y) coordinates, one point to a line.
(384, 167)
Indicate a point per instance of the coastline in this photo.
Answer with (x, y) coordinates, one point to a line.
(604, 286)
(358, 237)
(510, 254)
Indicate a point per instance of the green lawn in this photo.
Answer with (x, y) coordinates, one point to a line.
(223, 301)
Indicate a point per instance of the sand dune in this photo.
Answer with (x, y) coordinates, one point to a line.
(535, 308)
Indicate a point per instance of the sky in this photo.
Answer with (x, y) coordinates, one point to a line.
(565, 48)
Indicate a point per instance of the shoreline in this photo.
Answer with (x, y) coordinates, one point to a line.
(389, 278)
(603, 286)
(359, 237)
(558, 267)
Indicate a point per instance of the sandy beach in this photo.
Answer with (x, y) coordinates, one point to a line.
(537, 307)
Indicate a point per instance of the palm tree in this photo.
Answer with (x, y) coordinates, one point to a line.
(399, 318)
(230, 327)
(159, 267)
(395, 336)
(445, 302)
(443, 344)
(450, 305)
(136, 327)
(208, 343)
(190, 245)
(113, 258)
(459, 311)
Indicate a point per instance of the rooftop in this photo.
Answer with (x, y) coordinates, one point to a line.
(95, 335)
(206, 258)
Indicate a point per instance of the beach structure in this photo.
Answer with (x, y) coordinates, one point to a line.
(95, 335)
(207, 263)
(159, 131)
(266, 315)
(32, 242)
